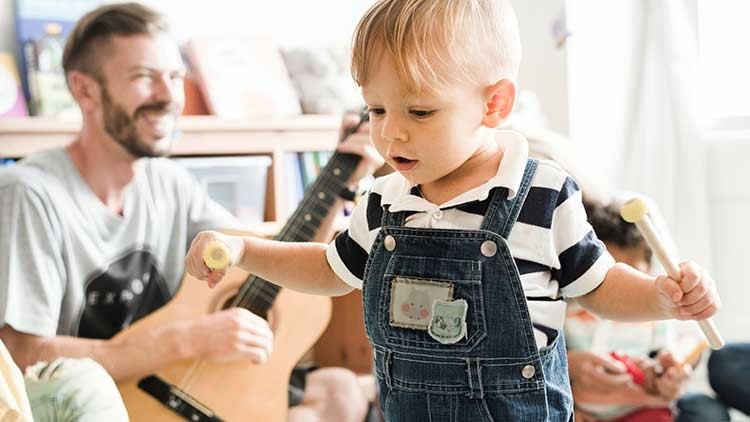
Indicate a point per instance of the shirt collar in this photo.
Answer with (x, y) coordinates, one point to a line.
(509, 175)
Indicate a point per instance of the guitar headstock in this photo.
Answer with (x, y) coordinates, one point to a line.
(364, 116)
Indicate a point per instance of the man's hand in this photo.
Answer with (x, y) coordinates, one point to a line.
(593, 372)
(195, 264)
(694, 297)
(232, 334)
(359, 143)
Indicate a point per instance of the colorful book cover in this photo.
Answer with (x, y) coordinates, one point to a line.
(42, 27)
(11, 95)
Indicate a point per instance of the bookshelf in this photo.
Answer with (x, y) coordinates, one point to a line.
(200, 136)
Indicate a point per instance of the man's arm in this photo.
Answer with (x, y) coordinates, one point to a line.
(226, 335)
(121, 359)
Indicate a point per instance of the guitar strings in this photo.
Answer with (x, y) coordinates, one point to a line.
(268, 290)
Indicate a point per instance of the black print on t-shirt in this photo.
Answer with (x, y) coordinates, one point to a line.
(126, 291)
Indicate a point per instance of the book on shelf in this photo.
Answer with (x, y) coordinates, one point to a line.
(42, 27)
(12, 103)
(242, 77)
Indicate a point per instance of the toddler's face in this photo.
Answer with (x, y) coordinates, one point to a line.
(425, 137)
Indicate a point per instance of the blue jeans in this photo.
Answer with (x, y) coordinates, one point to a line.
(729, 374)
(73, 390)
(695, 407)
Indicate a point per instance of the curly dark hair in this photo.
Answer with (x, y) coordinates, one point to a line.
(611, 228)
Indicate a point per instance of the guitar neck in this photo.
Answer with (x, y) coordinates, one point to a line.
(257, 294)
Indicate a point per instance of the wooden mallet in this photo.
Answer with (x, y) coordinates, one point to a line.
(636, 211)
(216, 255)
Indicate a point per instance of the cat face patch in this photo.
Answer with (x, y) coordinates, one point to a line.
(448, 323)
(412, 301)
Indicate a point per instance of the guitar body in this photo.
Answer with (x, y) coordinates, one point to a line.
(237, 390)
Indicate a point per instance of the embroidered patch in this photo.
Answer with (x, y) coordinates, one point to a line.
(411, 301)
(448, 323)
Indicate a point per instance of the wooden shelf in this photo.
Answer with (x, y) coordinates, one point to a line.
(198, 135)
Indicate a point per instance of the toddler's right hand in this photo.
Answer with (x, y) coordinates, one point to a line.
(195, 264)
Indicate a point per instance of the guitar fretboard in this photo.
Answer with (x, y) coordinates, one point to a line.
(256, 294)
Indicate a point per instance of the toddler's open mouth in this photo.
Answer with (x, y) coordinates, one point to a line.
(403, 163)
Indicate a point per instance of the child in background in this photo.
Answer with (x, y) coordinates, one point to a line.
(602, 388)
(466, 252)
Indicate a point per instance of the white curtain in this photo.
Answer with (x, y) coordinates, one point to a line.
(633, 67)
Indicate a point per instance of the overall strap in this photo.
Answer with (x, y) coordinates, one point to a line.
(501, 213)
(395, 219)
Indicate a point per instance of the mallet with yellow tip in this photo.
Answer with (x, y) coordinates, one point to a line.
(636, 211)
(216, 255)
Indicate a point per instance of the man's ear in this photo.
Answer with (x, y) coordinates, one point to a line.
(85, 90)
(501, 97)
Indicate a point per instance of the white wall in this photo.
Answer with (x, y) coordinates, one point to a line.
(729, 173)
(292, 22)
(544, 66)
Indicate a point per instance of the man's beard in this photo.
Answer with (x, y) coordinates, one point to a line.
(123, 128)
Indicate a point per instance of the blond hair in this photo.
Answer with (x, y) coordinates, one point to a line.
(87, 41)
(436, 42)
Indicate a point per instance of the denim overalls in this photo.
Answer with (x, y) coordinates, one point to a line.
(447, 318)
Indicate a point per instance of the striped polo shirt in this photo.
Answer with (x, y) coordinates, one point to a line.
(552, 243)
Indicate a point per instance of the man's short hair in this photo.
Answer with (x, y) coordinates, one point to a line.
(436, 42)
(610, 227)
(88, 40)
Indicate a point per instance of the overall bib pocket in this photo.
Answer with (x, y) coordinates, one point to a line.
(432, 304)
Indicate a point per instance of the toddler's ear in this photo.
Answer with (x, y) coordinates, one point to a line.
(501, 98)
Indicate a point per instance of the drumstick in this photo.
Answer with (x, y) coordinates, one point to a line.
(216, 255)
(694, 354)
(636, 211)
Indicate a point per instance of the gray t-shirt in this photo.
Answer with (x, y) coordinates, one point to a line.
(70, 266)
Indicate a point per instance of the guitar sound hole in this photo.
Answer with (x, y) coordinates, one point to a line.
(229, 303)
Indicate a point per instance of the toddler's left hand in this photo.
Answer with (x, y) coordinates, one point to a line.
(673, 378)
(694, 297)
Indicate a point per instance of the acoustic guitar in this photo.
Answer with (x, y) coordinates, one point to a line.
(201, 390)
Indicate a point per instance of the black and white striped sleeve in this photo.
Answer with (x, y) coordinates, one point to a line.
(347, 253)
(584, 261)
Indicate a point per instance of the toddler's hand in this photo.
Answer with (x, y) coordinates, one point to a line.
(195, 264)
(694, 297)
(672, 380)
